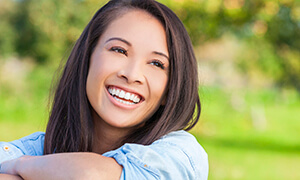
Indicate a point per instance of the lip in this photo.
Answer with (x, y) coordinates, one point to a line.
(122, 105)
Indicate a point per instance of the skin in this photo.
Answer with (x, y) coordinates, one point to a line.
(136, 61)
(63, 166)
(9, 177)
(138, 70)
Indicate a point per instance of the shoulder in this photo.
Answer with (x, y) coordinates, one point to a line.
(186, 144)
(32, 145)
(176, 155)
(182, 140)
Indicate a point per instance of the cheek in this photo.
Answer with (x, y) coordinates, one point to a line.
(158, 83)
(99, 69)
(94, 82)
(91, 87)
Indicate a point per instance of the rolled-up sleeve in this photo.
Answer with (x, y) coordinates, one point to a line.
(175, 156)
(9, 151)
(30, 145)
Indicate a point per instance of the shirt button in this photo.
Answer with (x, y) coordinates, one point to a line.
(6, 148)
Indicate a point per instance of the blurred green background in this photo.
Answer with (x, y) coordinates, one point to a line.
(249, 64)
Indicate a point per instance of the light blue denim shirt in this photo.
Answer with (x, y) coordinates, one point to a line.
(176, 155)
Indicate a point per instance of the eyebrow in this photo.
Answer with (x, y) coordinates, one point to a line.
(161, 54)
(119, 39)
(129, 44)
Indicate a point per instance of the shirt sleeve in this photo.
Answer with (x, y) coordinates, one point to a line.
(177, 155)
(32, 145)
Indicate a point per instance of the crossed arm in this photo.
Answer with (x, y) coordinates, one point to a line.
(10, 177)
(61, 166)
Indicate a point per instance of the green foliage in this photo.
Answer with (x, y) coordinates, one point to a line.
(7, 32)
(44, 30)
(270, 29)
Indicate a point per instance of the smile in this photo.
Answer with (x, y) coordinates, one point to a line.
(124, 96)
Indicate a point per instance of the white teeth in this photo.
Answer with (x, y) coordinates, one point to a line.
(127, 96)
(117, 93)
(125, 102)
(122, 94)
(132, 97)
(136, 99)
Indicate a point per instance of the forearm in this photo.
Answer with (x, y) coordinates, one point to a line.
(9, 177)
(67, 166)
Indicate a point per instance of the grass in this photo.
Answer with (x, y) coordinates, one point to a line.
(23, 109)
(241, 145)
(248, 134)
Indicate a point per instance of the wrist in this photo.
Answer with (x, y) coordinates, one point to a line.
(21, 164)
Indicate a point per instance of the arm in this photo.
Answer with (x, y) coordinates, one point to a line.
(64, 166)
(9, 177)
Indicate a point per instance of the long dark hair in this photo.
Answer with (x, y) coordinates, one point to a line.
(70, 126)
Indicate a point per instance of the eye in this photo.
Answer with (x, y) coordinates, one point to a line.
(158, 64)
(119, 50)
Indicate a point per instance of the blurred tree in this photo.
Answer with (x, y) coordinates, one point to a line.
(270, 28)
(7, 31)
(44, 29)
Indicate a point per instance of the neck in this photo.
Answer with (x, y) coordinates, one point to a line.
(105, 141)
(106, 137)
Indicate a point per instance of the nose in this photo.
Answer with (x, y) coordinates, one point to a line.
(132, 72)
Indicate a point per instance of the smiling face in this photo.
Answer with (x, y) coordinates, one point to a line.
(128, 71)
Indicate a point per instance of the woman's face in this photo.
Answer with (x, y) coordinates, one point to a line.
(128, 71)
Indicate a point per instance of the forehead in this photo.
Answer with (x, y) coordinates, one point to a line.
(133, 15)
(137, 26)
(134, 19)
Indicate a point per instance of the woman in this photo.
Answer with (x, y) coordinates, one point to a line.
(127, 93)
